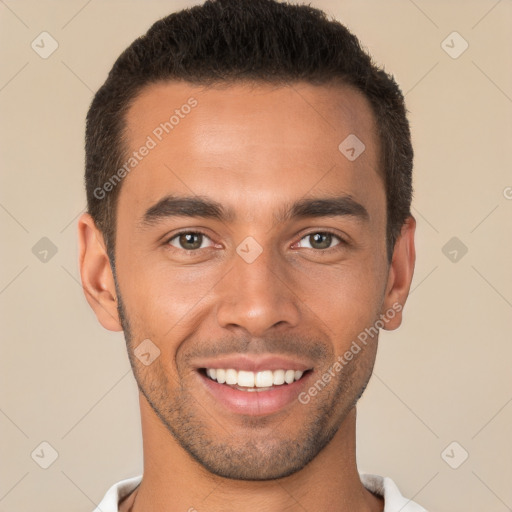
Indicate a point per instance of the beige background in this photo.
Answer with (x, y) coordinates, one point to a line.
(444, 376)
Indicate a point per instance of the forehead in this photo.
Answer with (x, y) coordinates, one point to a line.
(245, 141)
(327, 111)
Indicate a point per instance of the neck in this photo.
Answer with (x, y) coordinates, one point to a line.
(173, 481)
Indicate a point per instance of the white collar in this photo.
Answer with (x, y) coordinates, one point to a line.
(381, 486)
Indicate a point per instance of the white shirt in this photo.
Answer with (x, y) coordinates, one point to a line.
(382, 486)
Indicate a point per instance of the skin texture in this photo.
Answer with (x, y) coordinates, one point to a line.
(255, 150)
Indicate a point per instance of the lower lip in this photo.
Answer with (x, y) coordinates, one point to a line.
(255, 403)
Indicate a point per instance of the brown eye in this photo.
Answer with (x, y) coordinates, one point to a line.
(188, 241)
(320, 241)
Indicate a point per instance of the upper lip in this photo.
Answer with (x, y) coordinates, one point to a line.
(255, 363)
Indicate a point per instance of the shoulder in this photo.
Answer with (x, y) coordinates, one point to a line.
(117, 493)
(393, 499)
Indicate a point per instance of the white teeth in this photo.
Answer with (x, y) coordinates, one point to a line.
(245, 379)
(289, 376)
(278, 377)
(252, 380)
(231, 376)
(264, 379)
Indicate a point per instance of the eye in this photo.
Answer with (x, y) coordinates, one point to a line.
(189, 241)
(195, 240)
(320, 240)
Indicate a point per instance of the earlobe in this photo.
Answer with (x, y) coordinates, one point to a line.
(400, 275)
(96, 274)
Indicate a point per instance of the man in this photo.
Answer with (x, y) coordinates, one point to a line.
(248, 174)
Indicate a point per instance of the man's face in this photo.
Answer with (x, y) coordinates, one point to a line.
(194, 282)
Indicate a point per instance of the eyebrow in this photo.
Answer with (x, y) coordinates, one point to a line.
(203, 207)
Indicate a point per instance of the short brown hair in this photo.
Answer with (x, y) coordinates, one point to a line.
(223, 41)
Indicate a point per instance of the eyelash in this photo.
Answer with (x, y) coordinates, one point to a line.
(342, 241)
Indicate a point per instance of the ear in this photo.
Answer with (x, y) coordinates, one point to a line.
(400, 275)
(96, 274)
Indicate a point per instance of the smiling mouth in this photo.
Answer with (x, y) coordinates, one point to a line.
(264, 380)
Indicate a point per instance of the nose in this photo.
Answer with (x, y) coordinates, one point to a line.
(257, 296)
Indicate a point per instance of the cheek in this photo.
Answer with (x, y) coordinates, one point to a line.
(347, 295)
(162, 299)
(166, 302)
